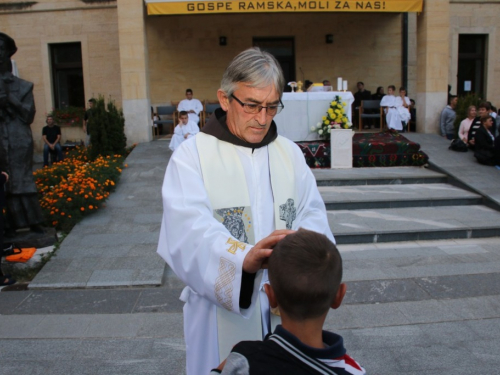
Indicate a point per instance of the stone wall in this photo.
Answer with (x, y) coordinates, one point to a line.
(477, 17)
(184, 51)
(56, 21)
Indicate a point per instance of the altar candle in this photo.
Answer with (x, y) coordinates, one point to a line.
(339, 84)
(344, 85)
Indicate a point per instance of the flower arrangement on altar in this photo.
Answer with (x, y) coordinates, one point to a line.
(335, 118)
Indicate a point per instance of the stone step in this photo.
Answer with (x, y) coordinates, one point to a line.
(362, 197)
(413, 224)
(378, 176)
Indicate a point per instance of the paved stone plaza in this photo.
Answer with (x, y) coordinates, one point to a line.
(423, 283)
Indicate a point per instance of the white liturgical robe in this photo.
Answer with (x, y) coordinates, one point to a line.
(180, 132)
(391, 114)
(188, 105)
(192, 240)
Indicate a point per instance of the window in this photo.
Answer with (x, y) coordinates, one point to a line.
(67, 75)
(283, 50)
(471, 61)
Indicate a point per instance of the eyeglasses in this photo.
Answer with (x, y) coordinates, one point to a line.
(271, 110)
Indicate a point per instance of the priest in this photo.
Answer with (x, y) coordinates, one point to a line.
(229, 195)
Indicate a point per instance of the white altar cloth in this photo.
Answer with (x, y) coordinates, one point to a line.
(305, 109)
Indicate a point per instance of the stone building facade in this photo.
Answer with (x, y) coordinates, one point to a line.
(142, 60)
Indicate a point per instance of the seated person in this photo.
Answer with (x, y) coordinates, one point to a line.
(391, 113)
(186, 129)
(51, 135)
(402, 103)
(484, 150)
(360, 95)
(476, 124)
(192, 106)
(379, 94)
(463, 130)
(305, 272)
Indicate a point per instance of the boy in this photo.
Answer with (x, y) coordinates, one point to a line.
(186, 129)
(305, 272)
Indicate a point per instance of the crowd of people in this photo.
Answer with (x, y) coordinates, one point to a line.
(479, 131)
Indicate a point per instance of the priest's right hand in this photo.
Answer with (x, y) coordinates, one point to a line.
(258, 255)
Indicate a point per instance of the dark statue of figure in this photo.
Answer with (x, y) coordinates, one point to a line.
(17, 110)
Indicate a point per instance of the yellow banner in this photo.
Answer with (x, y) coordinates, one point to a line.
(282, 6)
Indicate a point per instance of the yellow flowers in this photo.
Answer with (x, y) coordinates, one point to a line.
(335, 118)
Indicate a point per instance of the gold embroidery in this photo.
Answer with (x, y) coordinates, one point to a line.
(223, 283)
(235, 245)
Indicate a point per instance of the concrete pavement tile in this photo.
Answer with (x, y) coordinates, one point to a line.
(383, 291)
(388, 337)
(427, 311)
(12, 326)
(9, 301)
(112, 349)
(114, 325)
(159, 300)
(142, 250)
(56, 264)
(118, 239)
(374, 315)
(88, 301)
(88, 263)
(149, 262)
(457, 333)
(474, 308)
(465, 249)
(170, 365)
(163, 325)
(461, 286)
(112, 277)
(485, 329)
(27, 366)
(486, 351)
(40, 349)
(148, 218)
(62, 326)
(68, 279)
(149, 277)
(429, 358)
(78, 366)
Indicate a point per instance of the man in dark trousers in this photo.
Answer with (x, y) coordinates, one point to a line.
(360, 95)
(51, 135)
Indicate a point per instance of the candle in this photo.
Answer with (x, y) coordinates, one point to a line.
(339, 84)
(344, 85)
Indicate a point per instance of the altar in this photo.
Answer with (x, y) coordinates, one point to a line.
(304, 110)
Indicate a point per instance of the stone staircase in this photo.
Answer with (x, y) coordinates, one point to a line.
(371, 205)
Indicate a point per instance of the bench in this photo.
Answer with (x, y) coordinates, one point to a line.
(166, 114)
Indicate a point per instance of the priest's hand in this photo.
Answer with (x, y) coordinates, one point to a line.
(257, 256)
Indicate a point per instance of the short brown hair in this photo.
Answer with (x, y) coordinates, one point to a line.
(485, 105)
(305, 271)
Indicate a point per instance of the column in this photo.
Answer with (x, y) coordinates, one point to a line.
(432, 64)
(134, 70)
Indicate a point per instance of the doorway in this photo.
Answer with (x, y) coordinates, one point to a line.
(471, 64)
(283, 49)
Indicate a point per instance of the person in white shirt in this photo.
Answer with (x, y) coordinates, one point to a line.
(391, 112)
(192, 106)
(403, 107)
(229, 195)
(184, 130)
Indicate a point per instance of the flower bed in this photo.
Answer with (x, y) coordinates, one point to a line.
(76, 187)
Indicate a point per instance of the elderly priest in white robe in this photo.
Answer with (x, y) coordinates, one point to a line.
(229, 195)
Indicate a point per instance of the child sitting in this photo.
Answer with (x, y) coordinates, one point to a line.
(305, 272)
(186, 129)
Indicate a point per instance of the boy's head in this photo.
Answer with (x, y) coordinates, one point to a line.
(305, 271)
(183, 117)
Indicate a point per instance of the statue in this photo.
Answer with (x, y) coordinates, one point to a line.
(17, 110)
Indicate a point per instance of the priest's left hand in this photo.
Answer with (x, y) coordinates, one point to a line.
(257, 256)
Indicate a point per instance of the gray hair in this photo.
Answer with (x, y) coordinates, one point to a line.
(255, 68)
